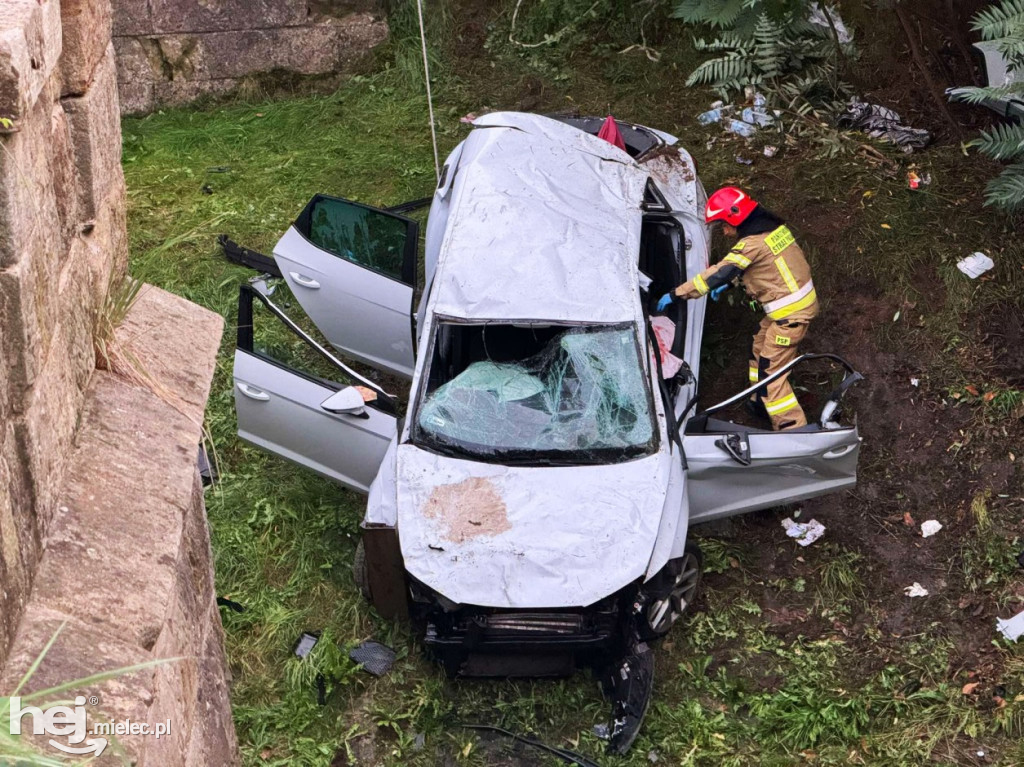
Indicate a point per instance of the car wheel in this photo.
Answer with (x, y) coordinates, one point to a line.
(673, 594)
(360, 573)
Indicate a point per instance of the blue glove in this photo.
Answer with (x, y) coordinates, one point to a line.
(664, 301)
(717, 292)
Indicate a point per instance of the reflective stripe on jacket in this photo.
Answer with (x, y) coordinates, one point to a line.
(774, 271)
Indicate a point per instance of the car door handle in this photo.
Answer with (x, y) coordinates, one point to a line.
(304, 281)
(253, 393)
(838, 452)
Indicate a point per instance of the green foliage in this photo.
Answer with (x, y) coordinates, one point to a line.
(795, 63)
(1003, 24)
(740, 16)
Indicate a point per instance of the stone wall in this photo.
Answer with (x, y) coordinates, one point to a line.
(102, 524)
(127, 565)
(62, 242)
(173, 51)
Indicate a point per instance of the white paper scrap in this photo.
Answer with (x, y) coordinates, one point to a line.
(975, 265)
(930, 527)
(917, 590)
(805, 533)
(1012, 628)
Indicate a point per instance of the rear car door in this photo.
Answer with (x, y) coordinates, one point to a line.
(352, 268)
(733, 469)
(283, 378)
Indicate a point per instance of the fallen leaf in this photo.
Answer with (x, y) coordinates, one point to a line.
(734, 563)
(886, 226)
(989, 396)
(972, 390)
(467, 749)
(1000, 702)
(969, 688)
(907, 519)
(868, 194)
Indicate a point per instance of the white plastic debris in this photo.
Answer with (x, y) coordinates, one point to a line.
(804, 533)
(917, 590)
(915, 381)
(711, 116)
(817, 17)
(975, 265)
(930, 527)
(740, 159)
(770, 151)
(1011, 628)
(741, 128)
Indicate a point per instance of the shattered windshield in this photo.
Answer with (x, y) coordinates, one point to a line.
(500, 391)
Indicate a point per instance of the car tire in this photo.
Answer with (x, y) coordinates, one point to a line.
(671, 593)
(360, 572)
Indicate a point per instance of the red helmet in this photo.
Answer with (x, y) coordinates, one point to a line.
(730, 205)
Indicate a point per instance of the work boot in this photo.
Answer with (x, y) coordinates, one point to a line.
(756, 408)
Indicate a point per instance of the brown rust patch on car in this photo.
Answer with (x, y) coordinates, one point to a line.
(468, 509)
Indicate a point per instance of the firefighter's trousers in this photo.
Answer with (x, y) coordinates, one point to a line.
(775, 345)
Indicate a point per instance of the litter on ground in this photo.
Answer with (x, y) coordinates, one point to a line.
(975, 265)
(770, 151)
(374, 657)
(917, 590)
(306, 644)
(930, 527)
(883, 123)
(805, 533)
(1011, 628)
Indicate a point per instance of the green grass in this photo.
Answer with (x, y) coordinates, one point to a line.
(733, 687)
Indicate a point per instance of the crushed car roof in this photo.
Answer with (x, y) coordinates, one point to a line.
(544, 225)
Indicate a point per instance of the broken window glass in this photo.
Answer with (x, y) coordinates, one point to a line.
(535, 392)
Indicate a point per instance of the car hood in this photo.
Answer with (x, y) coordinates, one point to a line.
(527, 537)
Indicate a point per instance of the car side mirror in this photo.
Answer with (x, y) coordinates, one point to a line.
(347, 401)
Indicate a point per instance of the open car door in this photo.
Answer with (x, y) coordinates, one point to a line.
(353, 269)
(297, 409)
(733, 469)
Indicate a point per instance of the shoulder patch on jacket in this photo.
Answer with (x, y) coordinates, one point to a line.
(779, 240)
(739, 246)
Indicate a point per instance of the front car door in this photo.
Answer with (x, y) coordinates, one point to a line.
(282, 380)
(733, 469)
(353, 270)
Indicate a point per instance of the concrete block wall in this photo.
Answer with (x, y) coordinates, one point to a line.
(62, 241)
(173, 51)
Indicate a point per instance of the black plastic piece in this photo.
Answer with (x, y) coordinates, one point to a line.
(374, 657)
(306, 644)
(630, 686)
(238, 254)
(737, 447)
(230, 604)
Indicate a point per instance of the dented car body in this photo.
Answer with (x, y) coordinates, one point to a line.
(530, 510)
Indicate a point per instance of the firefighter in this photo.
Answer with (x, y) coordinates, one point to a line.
(775, 273)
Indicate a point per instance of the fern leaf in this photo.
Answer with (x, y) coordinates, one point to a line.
(1000, 20)
(1003, 142)
(1007, 189)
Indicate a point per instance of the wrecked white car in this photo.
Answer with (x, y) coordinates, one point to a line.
(529, 508)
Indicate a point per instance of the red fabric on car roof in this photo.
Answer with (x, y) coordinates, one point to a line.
(610, 133)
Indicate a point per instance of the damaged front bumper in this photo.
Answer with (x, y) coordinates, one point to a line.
(481, 642)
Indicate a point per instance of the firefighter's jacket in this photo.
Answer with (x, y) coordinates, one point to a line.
(774, 272)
